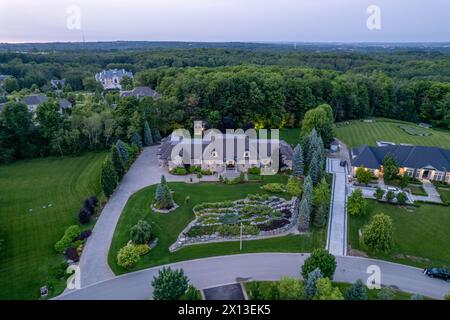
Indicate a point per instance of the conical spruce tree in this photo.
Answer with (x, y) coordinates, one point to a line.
(117, 161)
(136, 140)
(310, 287)
(312, 144)
(156, 135)
(297, 163)
(123, 152)
(159, 194)
(315, 168)
(356, 291)
(304, 215)
(148, 138)
(167, 200)
(307, 189)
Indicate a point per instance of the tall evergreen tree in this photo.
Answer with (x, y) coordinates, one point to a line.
(109, 178)
(148, 138)
(308, 189)
(312, 143)
(310, 288)
(167, 200)
(316, 167)
(156, 135)
(136, 140)
(159, 193)
(123, 152)
(297, 163)
(304, 215)
(117, 162)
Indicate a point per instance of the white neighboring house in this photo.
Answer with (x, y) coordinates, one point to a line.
(110, 79)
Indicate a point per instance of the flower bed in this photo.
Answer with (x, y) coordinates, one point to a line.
(259, 215)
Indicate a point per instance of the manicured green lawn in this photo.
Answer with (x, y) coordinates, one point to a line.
(445, 195)
(421, 235)
(27, 256)
(266, 287)
(168, 226)
(358, 132)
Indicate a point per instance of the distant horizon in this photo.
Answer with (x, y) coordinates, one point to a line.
(225, 21)
(236, 41)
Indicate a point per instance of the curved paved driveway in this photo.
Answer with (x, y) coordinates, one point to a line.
(94, 261)
(210, 272)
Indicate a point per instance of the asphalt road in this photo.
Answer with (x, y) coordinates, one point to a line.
(210, 272)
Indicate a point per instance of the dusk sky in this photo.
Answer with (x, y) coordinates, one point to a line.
(225, 20)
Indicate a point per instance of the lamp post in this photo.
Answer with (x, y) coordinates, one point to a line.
(240, 242)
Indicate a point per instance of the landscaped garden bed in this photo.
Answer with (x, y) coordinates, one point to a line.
(417, 190)
(253, 216)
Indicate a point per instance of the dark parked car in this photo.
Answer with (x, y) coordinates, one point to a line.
(439, 273)
(343, 163)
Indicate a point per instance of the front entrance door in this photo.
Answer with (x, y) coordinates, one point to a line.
(425, 174)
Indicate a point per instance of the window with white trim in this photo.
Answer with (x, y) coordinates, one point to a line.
(439, 175)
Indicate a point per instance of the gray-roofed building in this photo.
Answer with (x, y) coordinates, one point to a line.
(236, 152)
(34, 100)
(430, 163)
(140, 92)
(110, 79)
(65, 104)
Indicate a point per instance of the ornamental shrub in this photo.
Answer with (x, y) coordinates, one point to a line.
(69, 236)
(128, 256)
(273, 187)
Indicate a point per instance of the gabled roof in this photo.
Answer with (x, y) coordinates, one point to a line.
(65, 104)
(140, 92)
(168, 144)
(405, 156)
(34, 99)
(110, 73)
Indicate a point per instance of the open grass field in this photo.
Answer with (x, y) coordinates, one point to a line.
(27, 255)
(421, 235)
(168, 226)
(266, 290)
(357, 132)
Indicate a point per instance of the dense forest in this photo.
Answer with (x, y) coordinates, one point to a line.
(239, 86)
